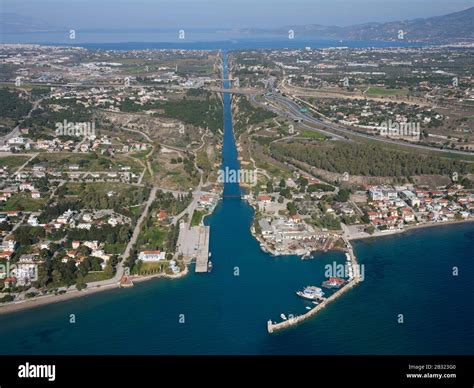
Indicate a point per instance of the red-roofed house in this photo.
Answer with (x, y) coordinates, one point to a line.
(264, 198)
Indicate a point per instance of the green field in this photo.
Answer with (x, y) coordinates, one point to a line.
(13, 161)
(116, 249)
(387, 92)
(96, 276)
(311, 134)
(197, 217)
(151, 268)
(23, 202)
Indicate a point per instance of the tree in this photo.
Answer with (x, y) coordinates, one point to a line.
(57, 276)
(291, 208)
(303, 181)
(80, 283)
(269, 187)
(370, 229)
(286, 193)
(343, 195)
(108, 270)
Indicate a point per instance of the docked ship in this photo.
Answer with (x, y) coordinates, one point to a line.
(209, 266)
(311, 292)
(333, 282)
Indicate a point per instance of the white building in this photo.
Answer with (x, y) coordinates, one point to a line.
(150, 256)
(33, 220)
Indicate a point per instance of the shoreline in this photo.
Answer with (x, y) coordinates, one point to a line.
(408, 229)
(45, 300)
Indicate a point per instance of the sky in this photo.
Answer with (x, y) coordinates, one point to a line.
(215, 14)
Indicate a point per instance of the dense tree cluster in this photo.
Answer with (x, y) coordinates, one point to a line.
(205, 112)
(366, 159)
(104, 233)
(12, 106)
(248, 114)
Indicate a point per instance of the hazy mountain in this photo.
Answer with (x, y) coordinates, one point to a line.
(454, 27)
(14, 23)
(458, 26)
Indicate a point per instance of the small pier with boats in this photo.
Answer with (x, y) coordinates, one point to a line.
(316, 294)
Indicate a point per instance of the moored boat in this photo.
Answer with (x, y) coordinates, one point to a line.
(311, 293)
(307, 255)
(333, 282)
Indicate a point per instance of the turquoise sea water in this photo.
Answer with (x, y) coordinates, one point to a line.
(223, 313)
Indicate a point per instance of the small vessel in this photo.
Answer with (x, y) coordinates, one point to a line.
(308, 308)
(333, 282)
(209, 266)
(314, 302)
(311, 293)
(348, 257)
(283, 316)
(306, 256)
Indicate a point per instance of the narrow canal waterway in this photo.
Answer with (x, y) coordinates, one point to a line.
(225, 311)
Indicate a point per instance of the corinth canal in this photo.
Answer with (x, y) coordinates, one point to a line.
(226, 311)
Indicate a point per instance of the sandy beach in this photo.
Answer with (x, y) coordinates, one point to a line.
(72, 294)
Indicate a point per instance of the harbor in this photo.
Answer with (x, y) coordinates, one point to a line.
(193, 244)
(354, 279)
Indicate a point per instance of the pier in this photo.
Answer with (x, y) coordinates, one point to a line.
(272, 326)
(193, 244)
(202, 255)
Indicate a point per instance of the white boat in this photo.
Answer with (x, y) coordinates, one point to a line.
(311, 292)
(283, 316)
(308, 308)
(306, 256)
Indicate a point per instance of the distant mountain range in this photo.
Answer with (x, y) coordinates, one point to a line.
(451, 28)
(454, 27)
(12, 23)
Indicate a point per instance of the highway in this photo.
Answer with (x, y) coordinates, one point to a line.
(292, 108)
(275, 109)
